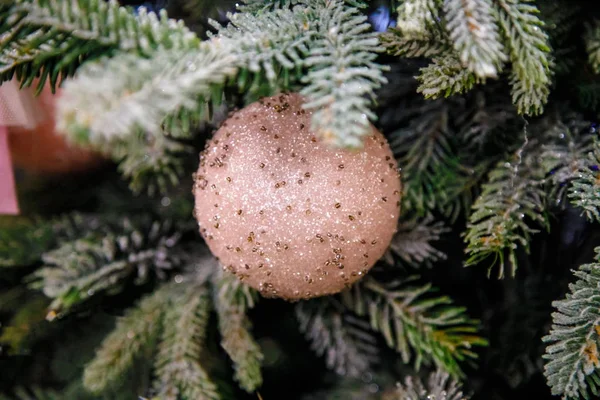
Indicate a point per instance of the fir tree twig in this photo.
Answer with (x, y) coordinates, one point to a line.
(412, 322)
(475, 37)
(529, 47)
(135, 336)
(348, 348)
(572, 356)
(232, 300)
(178, 362)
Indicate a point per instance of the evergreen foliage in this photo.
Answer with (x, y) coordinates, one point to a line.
(346, 343)
(232, 300)
(572, 366)
(439, 386)
(493, 143)
(421, 327)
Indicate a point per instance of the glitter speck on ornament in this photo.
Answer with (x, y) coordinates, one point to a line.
(294, 227)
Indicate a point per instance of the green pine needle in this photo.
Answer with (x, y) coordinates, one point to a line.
(178, 364)
(419, 326)
(134, 337)
(232, 300)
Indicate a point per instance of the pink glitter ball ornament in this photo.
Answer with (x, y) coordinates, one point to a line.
(288, 214)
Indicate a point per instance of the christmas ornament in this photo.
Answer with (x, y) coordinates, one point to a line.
(288, 214)
(40, 149)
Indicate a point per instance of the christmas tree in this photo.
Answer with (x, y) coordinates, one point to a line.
(393, 200)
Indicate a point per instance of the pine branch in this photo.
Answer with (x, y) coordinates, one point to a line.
(34, 393)
(342, 72)
(445, 76)
(414, 322)
(347, 345)
(51, 38)
(434, 174)
(178, 363)
(100, 262)
(111, 99)
(114, 98)
(413, 242)
(585, 189)
(416, 17)
(134, 337)
(232, 300)
(475, 37)
(592, 45)
(572, 356)
(402, 43)
(529, 53)
(24, 241)
(565, 153)
(151, 163)
(497, 225)
(440, 386)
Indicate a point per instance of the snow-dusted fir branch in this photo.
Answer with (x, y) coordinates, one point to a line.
(135, 335)
(497, 225)
(439, 386)
(403, 43)
(150, 163)
(573, 361)
(475, 37)
(414, 240)
(415, 17)
(585, 189)
(592, 45)
(178, 367)
(529, 53)
(53, 37)
(101, 261)
(444, 77)
(342, 72)
(419, 326)
(112, 99)
(566, 153)
(345, 343)
(232, 300)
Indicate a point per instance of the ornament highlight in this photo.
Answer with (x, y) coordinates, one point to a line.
(285, 212)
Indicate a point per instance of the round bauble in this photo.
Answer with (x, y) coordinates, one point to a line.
(42, 150)
(288, 214)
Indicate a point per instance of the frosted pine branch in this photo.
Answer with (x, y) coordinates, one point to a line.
(346, 344)
(101, 262)
(178, 363)
(414, 240)
(232, 300)
(444, 77)
(439, 386)
(585, 189)
(497, 225)
(572, 366)
(415, 17)
(475, 37)
(403, 43)
(135, 335)
(342, 73)
(54, 36)
(529, 53)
